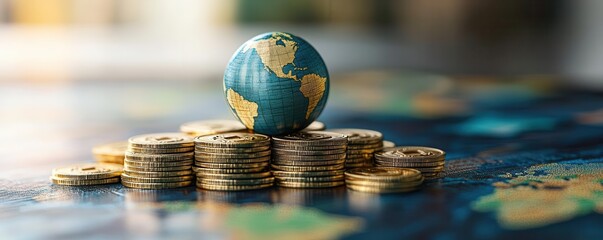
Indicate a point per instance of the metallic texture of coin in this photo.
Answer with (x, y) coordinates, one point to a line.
(161, 140)
(311, 138)
(229, 140)
(159, 157)
(232, 160)
(128, 178)
(159, 164)
(237, 182)
(230, 150)
(158, 174)
(307, 168)
(209, 127)
(233, 187)
(84, 182)
(360, 136)
(156, 185)
(410, 153)
(235, 175)
(307, 174)
(309, 184)
(156, 169)
(312, 179)
(383, 173)
(289, 157)
(199, 154)
(201, 170)
(369, 189)
(278, 151)
(88, 171)
(232, 165)
(160, 150)
(307, 163)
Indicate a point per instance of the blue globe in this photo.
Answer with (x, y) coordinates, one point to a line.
(276, 83)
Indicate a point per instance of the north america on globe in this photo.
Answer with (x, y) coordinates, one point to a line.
(276, 83)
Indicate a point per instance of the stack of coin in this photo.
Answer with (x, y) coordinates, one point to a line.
(111, 152)
(430, 161)
(211, 127)
(233, 162)
(315, 126)
(158, 161)
(361, 146)
(312, 159)
(87, 174)
(383, 179)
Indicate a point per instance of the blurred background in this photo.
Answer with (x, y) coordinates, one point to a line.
(75, 73)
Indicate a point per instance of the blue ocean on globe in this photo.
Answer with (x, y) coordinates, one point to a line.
(276, 83)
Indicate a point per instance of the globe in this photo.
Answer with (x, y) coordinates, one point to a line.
(276, 83)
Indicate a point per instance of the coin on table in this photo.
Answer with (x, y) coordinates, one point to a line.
(83, 182)
(233, 140)
(156, 185)
(161, 140)
(128, 178)
(383, 173)
(158, 174)
(88, 171)
(310, 138)
(411, 153)
(209, 127)
(309, 184)
(315, 126)
(117, 149)
(289, 168)
(234, 175)
(233, 187)
(360, 136)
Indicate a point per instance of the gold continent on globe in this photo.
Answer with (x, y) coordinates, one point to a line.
(276, 83)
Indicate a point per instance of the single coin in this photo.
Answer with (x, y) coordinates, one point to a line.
(307, 153)
(280, 174)
(161, 140)
(383, 173)
(312, 179)
(161, 150)
(209, 127)
(233, 160)
(369, 189)
(159, 164)
(234, 175)
(388, 144)
(231, 150)
(307, 163)
(411, 153)
(83, 182)
(311, 138)
(240, 140)
(231, 155)
(360, 136)
(145, 157)
(232, 165)
(88, 171)
(111, 149)
(315, 126)
(156, 169)
(156, 185)
(309, 184)
(278, 157)
(158, 174)
(202, 170)
(307, 148)
(232, 187)
(409, 164)
(239, 182)
(128, 178)
(307, 168)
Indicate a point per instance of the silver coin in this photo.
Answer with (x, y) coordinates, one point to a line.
(145, 157)
(388, 144)
(233, 140)
(231, 150)
(231, 155)
(311, 138)
(410, 153)
(307, 153)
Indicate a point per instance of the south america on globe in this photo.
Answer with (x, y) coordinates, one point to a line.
(276, 83)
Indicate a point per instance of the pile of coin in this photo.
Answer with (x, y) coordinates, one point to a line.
(210, 127)
(111, 152)
(361, 146)
(383, 179)
(312, 159)
(430, 161)
(233, 162)
(87, 174)
(158, 161)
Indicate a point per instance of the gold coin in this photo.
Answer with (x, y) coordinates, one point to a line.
(315, 126)
(360, 136)
(156, 185)
(160, 150)
(231, 150)
(307, 168)
(278, 151)
(358, 165)
(232, 187)
(307, 163)
(234, 175)
(307, 174)
(377, 145)
(388, 144)
(88, 171)
(308, 148)
(383, 173)
(401, 183)
(233, 160)
(146, 157)
(410, 164)
(311, 138)
(232, 155)
(156, 169)
(311, 179)
(200, 170)
(161, 140)
(229, 140)
(83, 182)
(411, 154)
(232, 165)
(158, 174)
(111, 149)
(361, 151)
(128, 178)
(308, 158)
(370, 189)
(237, 182)
(309, 184)
(209, 127)
(159, 164)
